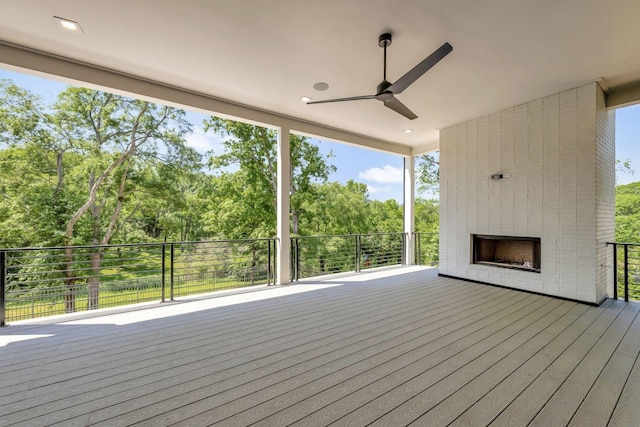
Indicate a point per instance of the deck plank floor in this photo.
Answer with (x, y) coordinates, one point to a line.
(389, 348)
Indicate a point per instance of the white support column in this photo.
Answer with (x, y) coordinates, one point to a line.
(409, 209)
(283, 267)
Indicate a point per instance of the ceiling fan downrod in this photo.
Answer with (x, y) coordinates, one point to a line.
(384, 40)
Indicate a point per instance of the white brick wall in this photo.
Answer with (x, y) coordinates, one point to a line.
(559, 151)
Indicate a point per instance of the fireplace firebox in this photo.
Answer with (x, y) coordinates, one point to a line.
(520, 253)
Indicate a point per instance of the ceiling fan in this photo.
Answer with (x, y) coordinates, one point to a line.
(386, 91)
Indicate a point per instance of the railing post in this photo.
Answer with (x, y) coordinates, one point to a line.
(3, 287)
(172, 269)
(269, 262)
(418, 254)
(626, 273)
(275, 261)
(164, 267)
(405, 239)
(297, 255)
(615, 271)
(356, 254)
(292, 259)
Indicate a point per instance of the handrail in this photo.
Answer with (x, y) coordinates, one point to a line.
(128, 245)
(347, 235)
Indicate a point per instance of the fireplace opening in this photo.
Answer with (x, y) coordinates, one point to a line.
(521, 253)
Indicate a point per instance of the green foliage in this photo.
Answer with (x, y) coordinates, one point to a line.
(94, 167)
(253, 150)
(346, 209)
(86, 168)
(428, 173)
(628, 213)
(336, 209)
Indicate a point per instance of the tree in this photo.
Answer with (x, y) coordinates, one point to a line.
(386, 217)
(101, 140)
(628, 213)
(171, 202)
(427, 225)
(336, 209)
(624, 167)
(428, 173)
(253, 150)
(238, 210)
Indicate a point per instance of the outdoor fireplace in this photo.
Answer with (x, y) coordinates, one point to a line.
(521, 253)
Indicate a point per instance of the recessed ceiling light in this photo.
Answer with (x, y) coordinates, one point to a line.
(68, 25)
(407, 131)
(305, 99)
(321, 86)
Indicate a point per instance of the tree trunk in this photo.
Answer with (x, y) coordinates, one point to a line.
(67, 266)
(93, 282)
(70, 281)
(95, 258)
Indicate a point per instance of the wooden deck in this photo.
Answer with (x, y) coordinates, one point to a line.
(393, 348)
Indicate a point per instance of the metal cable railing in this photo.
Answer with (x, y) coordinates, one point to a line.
(321, 255)
(427, 247)
(626, 271)
(39, 282)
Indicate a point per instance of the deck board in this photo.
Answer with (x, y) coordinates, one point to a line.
(562, 406)
(516, 353)
(394, 389)
(487, 408)
(532, 400)
(394, 347)
(597, 408)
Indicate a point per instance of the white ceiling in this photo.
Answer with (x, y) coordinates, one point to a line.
(269, 53)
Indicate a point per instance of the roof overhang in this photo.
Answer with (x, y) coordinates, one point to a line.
(254, 60)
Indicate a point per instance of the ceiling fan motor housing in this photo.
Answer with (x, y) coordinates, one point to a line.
(384, 40)
(382, 87)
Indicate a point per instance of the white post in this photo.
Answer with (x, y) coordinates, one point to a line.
(409, 209)
(283, 267)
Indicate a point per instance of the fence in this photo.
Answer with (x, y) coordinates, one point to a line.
(38, 282)
(626, 271)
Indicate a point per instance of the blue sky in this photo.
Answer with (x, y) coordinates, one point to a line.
(628, 141)
(380, 171)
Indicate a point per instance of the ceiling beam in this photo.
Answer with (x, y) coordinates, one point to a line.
(426, 148)
(74, 72)
(623, 96)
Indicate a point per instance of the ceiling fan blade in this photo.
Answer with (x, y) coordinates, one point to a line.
(414, 74)
(399, 107)
(351, 98)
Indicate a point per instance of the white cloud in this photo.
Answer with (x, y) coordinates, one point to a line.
(203, 141)
(388, 174)
(372, 189)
